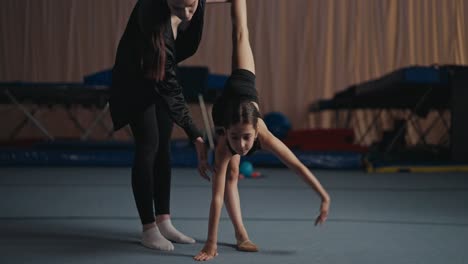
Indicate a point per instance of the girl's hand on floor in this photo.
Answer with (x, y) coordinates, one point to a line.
(207, 253)
(324, 208)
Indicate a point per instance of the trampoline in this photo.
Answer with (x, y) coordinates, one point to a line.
(92, 94)
(29, 97)
(419, 89)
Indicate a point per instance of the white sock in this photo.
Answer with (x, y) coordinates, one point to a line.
(152, 238)
(171, 233)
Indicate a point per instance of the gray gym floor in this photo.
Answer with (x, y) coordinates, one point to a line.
(88, 215)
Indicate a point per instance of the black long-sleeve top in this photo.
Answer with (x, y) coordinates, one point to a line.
(131, 91)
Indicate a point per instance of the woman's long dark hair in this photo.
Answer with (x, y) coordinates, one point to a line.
(156, 14)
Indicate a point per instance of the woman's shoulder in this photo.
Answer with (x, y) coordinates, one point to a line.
(151, 13)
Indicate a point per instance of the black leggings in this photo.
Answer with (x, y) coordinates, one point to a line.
(151, 171)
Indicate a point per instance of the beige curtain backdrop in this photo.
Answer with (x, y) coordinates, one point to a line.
(304, 49)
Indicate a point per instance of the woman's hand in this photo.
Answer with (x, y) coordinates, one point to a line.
(203, 165)
(207, 253)
(324, 208)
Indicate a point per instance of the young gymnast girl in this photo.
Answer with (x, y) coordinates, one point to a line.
(240, 131)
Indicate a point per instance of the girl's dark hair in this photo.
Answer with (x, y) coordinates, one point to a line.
(156, 15)
(241, 111)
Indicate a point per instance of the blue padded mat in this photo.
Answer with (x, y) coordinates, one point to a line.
(114, 153)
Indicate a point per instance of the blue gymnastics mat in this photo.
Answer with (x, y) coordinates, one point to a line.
(116, 153)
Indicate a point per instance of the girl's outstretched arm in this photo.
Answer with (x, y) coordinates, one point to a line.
(271, 143)
(209, 251)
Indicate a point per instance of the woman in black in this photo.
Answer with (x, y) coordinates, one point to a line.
(145, 94)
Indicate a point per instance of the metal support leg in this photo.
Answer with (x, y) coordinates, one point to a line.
(96, 121)
(29, 115)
